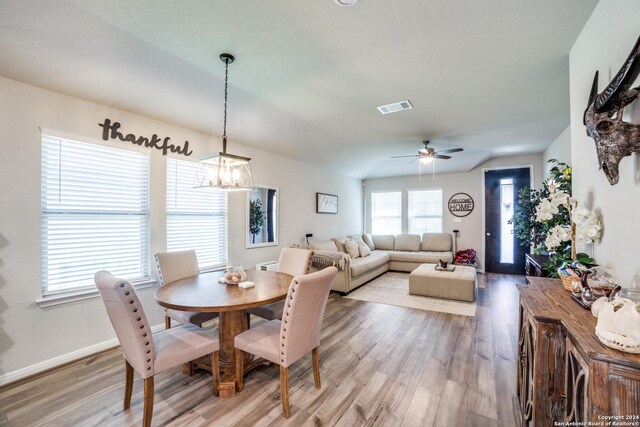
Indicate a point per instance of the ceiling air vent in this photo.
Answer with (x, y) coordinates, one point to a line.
(395, 107)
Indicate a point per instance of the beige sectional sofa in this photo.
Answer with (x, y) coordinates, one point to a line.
(402, 252)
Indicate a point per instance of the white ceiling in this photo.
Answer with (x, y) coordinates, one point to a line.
(488, 76)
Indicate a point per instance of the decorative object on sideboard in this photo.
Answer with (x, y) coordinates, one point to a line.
(262, 226)
(614, 137)
(222, 170)
(460, 205)
(618, 323)
(326, 203)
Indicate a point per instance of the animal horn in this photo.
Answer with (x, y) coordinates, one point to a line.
(612, 96)
(592, 97)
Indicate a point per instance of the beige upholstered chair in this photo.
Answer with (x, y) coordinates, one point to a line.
(147, 353)
(293, 261)
(174, 266)
(285, 341)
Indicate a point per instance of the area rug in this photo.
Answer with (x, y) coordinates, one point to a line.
(393, 288)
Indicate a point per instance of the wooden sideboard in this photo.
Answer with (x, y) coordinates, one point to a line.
(564, 373)
(534, 265)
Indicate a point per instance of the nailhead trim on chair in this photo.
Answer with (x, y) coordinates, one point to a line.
(122, 287)
(285, 318)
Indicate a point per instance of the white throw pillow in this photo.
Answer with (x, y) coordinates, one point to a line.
(364, 250)
(352, 248)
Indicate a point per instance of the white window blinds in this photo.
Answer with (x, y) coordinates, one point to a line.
(196, 218)
(425, 211)
(386, 212)
(95, 213)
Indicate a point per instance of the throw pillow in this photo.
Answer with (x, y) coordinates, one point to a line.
(328, 245)
(369, 241)
(364, 250)
(352, 248)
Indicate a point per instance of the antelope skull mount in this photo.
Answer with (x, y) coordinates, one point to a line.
(614, 137)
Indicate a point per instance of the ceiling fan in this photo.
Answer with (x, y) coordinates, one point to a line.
(428, 154)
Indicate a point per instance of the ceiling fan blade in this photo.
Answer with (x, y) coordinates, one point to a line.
(452, 150)
(403, 157)
(440, 156)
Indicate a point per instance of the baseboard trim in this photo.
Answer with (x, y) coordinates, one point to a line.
(40, 367)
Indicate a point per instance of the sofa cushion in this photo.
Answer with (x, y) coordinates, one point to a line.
(364, 250)
(327, 245)
(384, 241)
(421, 257)
(369, 241)
(364, 265)
(340, 244)
(407, 242)
(357, 238)
(436, 242)
(352, 248)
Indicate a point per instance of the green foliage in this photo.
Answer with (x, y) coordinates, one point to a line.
(256, 218)
(533, 233)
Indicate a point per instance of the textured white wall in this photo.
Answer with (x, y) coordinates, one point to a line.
(471, 227)
(560, 149)
(604, 44)
(29, 334)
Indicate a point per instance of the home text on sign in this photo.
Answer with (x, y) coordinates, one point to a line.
(461, 204)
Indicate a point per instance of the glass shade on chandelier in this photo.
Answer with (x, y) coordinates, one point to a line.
(224, 171)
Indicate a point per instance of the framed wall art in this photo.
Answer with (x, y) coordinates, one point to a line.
(326, 203)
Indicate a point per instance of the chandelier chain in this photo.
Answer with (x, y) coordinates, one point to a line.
(226, 89)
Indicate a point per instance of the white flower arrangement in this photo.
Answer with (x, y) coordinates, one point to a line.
(586, 226)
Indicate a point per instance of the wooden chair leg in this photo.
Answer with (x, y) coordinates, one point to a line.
(284, 390)
(148, 402)
(167, 322)
(248, 320)
(315, 356)
(128, 385)
(191, 366)
(215, 372)
(239, 371)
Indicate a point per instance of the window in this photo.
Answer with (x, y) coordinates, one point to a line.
(386, 213)
(196, 218)
(425, 211)
(95, 214)
(506, 213)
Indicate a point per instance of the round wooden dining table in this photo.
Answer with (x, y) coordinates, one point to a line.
(204, 293)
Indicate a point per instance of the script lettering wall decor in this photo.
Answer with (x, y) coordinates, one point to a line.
(614, 137)
(461, 204)
(110, 131)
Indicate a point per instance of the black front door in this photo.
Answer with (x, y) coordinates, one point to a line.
(503, 253)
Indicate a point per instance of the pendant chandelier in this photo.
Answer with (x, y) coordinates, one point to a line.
(222, 170)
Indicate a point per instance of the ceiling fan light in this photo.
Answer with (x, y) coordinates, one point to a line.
(425, 160)
(346, 3)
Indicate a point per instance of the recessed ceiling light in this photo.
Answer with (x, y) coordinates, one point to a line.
(346, 3)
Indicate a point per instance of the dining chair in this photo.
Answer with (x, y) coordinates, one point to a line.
(286, 341)
(146, 353)
(174, 266)
(293, 261)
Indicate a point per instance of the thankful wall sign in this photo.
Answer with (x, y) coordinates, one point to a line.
(110, 130)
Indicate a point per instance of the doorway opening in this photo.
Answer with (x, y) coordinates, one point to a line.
(503, 253)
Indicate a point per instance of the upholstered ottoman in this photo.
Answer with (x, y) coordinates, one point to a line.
(457, 285)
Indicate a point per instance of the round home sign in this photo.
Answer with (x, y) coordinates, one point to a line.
(461, 204)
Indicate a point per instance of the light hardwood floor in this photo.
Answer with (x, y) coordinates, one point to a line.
(381, 365)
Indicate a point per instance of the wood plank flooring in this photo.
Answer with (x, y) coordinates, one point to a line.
(381, 365)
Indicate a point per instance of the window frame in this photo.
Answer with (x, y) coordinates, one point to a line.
(401, 205)
(203, 268)
(60, 296)
(441, 216)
